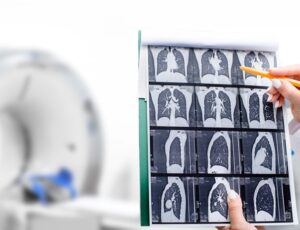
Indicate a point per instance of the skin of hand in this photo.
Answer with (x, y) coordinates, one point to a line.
(281, 89)
(235, 211)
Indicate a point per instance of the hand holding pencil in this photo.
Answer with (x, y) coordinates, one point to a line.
(283, 73)
(284, 83)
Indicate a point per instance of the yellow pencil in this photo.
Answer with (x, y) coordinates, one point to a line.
(268, 75)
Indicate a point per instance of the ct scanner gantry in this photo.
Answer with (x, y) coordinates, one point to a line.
(48, 122)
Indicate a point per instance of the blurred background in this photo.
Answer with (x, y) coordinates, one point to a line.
(95, 42)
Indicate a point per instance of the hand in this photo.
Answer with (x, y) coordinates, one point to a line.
(237, 219)
(281, 89)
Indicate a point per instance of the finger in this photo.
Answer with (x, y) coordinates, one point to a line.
(287, 90)
(280, 101)
(292, 70)
(277, 104)
(235, 209)
(295, 111)
(274, 97)
(260, 228)
(271, 90)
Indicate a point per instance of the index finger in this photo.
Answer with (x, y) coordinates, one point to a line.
(272, 90)
(290, 71)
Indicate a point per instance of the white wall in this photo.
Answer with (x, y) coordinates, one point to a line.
(99, 40)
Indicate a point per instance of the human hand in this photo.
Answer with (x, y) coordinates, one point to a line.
(235, 211)
(281, 89)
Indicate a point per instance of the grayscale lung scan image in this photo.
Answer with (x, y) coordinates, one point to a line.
(217, 107)
(212, 130)
(171, 64)
(257, 112)
(172, 105)
(258, 60)
(264, 153)
(173, 200)
(218, 152)
(213, 192)
(173, 151)
(265, 199)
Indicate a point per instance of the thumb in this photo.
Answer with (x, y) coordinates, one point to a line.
(235, 209)
(287, 90)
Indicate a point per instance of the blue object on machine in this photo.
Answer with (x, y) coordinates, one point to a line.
(51, 188)
(293, 152)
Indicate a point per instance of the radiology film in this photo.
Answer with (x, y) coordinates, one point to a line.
(265, 200)
(211, 129)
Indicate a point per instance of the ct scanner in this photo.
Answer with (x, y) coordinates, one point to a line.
(48, 122)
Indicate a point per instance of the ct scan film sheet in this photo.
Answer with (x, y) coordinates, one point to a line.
(211, 129)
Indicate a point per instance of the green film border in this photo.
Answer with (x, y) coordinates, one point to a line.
(143, 148)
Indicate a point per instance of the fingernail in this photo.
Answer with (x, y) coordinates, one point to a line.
(276, 83)
(269, 98)
(232, 195)
(277, 105)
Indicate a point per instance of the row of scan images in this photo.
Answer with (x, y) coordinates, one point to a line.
(202, 106)
(204, 200)
(170, 64)
(217, 152)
